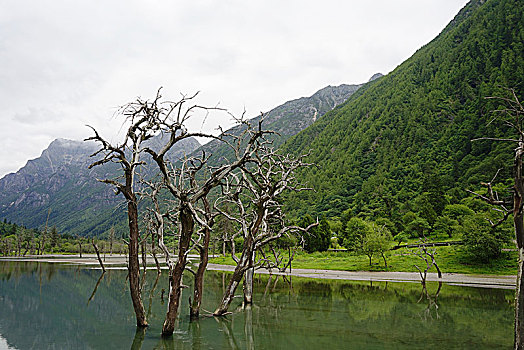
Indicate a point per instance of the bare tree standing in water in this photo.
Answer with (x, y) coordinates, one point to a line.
(127, 155)
(255, 191)
(512, 114)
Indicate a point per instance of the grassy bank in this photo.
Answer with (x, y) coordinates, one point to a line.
(449, 259)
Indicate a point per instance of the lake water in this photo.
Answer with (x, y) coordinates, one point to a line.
(46, 306)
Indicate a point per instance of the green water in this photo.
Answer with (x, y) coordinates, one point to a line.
(45, 306)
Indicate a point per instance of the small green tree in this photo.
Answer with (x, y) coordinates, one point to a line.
(356, 230)
(481, 240)
(401, 237)
(387, 223)
(445, 225)
(377, 241)
(457, 212)
(418, 227)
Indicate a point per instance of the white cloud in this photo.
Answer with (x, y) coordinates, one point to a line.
(66, 64)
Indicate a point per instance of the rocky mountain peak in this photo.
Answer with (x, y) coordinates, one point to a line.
(376, 76)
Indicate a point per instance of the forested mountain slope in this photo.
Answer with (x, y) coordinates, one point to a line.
(403, 142)
(289, 118)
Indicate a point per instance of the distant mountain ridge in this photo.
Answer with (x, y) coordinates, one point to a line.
(60, 183)
(291, 117)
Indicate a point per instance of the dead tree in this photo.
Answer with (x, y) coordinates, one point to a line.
(255, 191)
(276, 259)
(98, 255)
(159, 220)
(79, 241)
(154, 240)
(224, 227)
(188, 183)
(202, 246)
(511, 114)
(428, 256)
(191, 182)
(111, 239)
(127, 155)
(143, 250)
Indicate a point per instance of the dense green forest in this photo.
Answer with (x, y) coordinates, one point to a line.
(400, 150)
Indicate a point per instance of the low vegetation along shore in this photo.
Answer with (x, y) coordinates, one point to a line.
(448, 258)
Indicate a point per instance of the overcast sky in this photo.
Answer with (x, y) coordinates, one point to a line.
(64, 64)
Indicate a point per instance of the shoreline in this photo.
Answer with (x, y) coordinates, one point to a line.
(119, 261)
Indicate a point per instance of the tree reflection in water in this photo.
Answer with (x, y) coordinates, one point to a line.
(138, 340)
(307, 313)
(96, 286)
(431, 300)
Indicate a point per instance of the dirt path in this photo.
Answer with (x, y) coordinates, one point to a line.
(482, 281)
(485, 281)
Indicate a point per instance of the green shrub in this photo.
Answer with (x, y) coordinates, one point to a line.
(482, 241)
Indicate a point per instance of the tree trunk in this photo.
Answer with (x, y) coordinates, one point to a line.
(518, 217)
(202, 265)
(248, 282)
(230, 291)
(175, 275)
(154, 239)
(98, 255)
(199, 276)
(133, 266)
(244, 263)
(158, 270)
(144, 255)
(519, 305)
(248, 286)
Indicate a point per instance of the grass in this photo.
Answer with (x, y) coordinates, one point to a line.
(450, 260)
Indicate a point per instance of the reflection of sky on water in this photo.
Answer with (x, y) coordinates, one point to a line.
(4, 345)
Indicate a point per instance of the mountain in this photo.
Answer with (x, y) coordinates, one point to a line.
(60, 183)
(403, 142)
(291, 117)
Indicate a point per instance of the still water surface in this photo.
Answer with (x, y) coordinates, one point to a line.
(52, 306)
